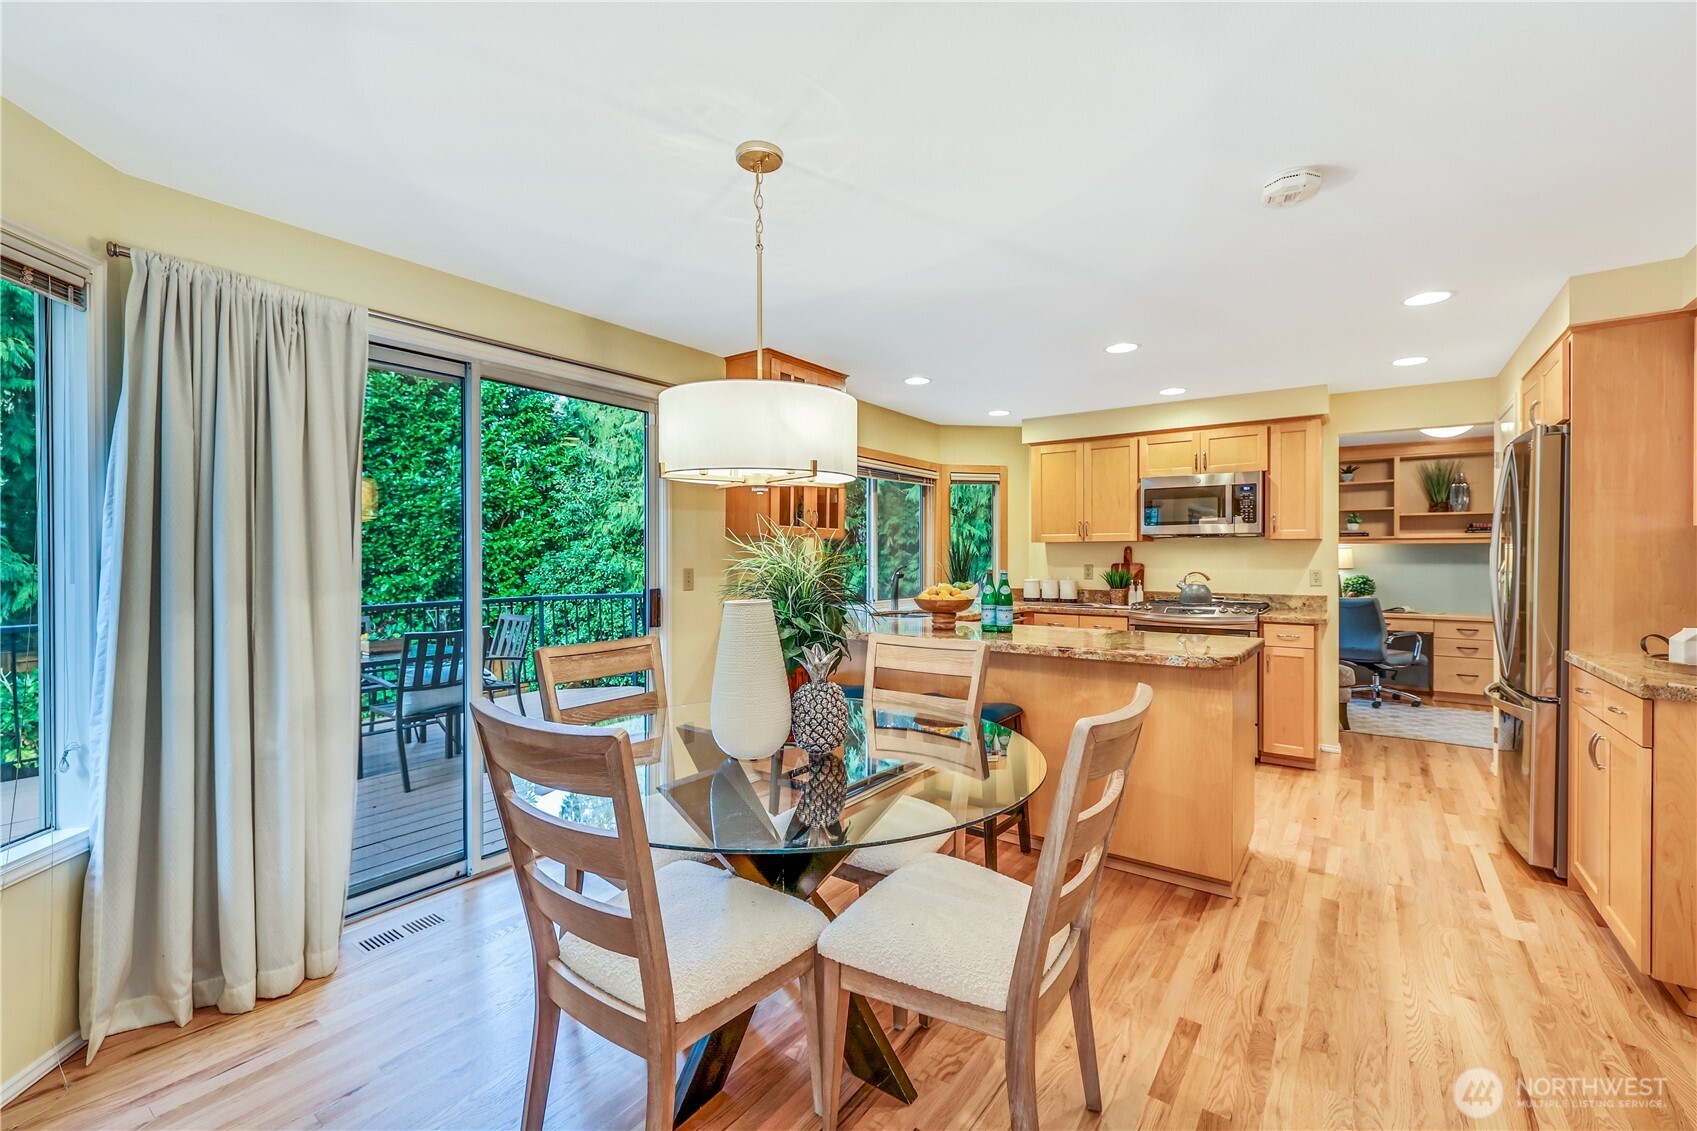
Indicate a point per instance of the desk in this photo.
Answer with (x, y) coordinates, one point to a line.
(1462, 650)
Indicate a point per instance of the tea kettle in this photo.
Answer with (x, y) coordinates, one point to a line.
(1194, 592)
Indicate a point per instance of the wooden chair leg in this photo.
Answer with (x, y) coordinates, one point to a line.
(544, 1035)
(898, 1018)
(816, 1039)
(990, 845)
(662, 1091)
(1021, 1060)
(1084, 1030)
(833, 1023)
(1025, 830)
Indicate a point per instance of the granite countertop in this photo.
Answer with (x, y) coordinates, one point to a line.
(1161, 649)
(1285, 608)
(1639, 675)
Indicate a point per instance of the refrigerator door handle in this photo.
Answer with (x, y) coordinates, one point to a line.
(1505, 593)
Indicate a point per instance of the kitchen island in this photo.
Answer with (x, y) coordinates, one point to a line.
(1189, 808)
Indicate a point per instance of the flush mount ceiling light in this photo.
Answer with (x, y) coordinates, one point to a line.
(1405, 361)
(998, 412)
(1121, 347)
(1426, 298)
(758, 433)
(1448, 431)
(1175, 391)
(917, 381)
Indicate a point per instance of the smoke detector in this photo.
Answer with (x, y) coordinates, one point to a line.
(1291, 187)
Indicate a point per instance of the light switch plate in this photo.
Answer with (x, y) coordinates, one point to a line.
(689, 579)
(1314, 579)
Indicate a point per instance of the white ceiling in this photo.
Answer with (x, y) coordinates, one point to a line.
(984, 195)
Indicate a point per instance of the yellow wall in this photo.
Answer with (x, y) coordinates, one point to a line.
(40, 918)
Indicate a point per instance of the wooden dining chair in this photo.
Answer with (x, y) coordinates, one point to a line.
(938, 681)
(678, 953)
(572, 664)
(972, 946)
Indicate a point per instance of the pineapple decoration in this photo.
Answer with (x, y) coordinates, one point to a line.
(819, 724)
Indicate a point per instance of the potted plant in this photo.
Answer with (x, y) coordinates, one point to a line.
(1359, 585)
(1435, 480)
(1118, 579)
(1347, 472)
(806, 579)
(1352, 520)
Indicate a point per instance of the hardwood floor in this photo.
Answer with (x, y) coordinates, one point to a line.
(1385, 940)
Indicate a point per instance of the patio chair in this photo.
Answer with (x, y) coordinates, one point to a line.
(428, 689)
(506, 653)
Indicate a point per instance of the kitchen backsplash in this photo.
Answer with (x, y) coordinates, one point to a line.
(1234, 565)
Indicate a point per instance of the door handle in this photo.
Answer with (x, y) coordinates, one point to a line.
(1591, 749)
(1204, 461)
(1087, 528)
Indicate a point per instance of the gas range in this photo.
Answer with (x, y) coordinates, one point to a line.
(1219, 615)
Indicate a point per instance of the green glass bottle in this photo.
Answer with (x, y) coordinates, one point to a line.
(1004, 604)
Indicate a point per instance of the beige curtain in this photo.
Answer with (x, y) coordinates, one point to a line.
(227, 669)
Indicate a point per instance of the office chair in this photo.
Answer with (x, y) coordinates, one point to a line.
(1364, 642)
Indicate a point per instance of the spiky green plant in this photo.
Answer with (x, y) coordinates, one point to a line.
(1436, 477)
(805, 578)
(1117, 577)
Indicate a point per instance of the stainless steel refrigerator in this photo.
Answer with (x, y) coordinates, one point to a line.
(1528, 596)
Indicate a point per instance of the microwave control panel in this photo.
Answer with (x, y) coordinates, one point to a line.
(1244, 502)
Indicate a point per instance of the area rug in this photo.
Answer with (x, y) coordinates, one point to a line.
(1453, 725)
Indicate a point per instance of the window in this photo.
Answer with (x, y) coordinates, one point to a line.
(49, 417)
(974, 525)
(888, 519)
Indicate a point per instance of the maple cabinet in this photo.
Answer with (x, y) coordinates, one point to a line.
(751, 511)
(1544, 389)
(1084, 491)
(1293, 479)
(1611, 853)
(1289, 683)
(1237, 447)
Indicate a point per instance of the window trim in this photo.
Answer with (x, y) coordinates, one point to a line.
(950, 474)
(82, 429)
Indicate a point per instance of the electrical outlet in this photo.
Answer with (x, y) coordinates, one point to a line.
(689, 579)
(1089, 571)
(1314, 579)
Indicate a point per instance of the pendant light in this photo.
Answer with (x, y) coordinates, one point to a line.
(763, 432)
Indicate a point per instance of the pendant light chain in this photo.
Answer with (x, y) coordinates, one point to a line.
(759, 271)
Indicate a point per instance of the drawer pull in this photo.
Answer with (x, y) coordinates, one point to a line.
(1585, 691)
(1465, 675)
(1290, 636)
(1614, 710)
(1467, 632)
(1467, 647)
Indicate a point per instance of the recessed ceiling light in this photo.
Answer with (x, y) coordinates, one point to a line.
(917, 381)
(998, 412)
(1426, 298)
(1409, 361)
(1122, 347)
(1449, 431)
(1173, 392)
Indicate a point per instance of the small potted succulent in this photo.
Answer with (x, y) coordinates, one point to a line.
(1347, 472)
(1352, 520)
(1118, 579)
(1359, 585)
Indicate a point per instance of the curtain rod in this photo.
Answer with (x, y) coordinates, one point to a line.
(117, 250)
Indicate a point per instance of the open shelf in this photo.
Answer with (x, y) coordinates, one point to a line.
(1388, 495)
(1365, 482)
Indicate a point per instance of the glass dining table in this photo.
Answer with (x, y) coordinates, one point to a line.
(910, 778)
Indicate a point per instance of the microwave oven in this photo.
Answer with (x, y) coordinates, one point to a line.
(1225, 504)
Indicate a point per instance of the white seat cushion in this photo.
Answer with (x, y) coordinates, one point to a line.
(905, 817)
(666, 823)
(722, 935)
(942, 924)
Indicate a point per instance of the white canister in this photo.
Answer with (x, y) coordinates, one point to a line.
(1682, 646)
(1069, 589)
(1033, 589)
(1051, 589)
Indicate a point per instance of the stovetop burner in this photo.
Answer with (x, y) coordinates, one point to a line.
(1219, 607)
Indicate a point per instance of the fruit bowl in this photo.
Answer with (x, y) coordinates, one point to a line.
(943, 610)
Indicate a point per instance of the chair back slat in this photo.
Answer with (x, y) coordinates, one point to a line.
(511, 636)
(593, 763)
(432, 660)
(606, 926)
(569, 664)
(940, 679)
(1101, 750)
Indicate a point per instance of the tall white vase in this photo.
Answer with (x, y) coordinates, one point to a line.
(751, 694)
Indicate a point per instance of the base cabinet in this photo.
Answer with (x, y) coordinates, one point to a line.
(1289, 678)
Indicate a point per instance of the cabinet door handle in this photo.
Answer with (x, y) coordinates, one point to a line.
(1275, 524)
(1591, 749)
(1204, 461)
(1532, 412)
(1087, 528)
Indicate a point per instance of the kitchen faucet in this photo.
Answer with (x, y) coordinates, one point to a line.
(896, 592)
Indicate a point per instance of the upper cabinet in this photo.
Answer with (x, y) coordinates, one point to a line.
(1292, 450)
(1084, 491)
(750, 511)
(1544, 389)
(1240, 447)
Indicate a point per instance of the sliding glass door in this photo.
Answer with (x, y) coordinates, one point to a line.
(502, 511)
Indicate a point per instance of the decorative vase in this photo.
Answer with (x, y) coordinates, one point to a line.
(1346, 476)
(1119, 596)
(1461, 495)
(1353, 526)
(751, 693)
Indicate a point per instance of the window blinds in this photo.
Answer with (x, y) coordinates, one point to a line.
(40, 270)
(885, 469)
(974, 477)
